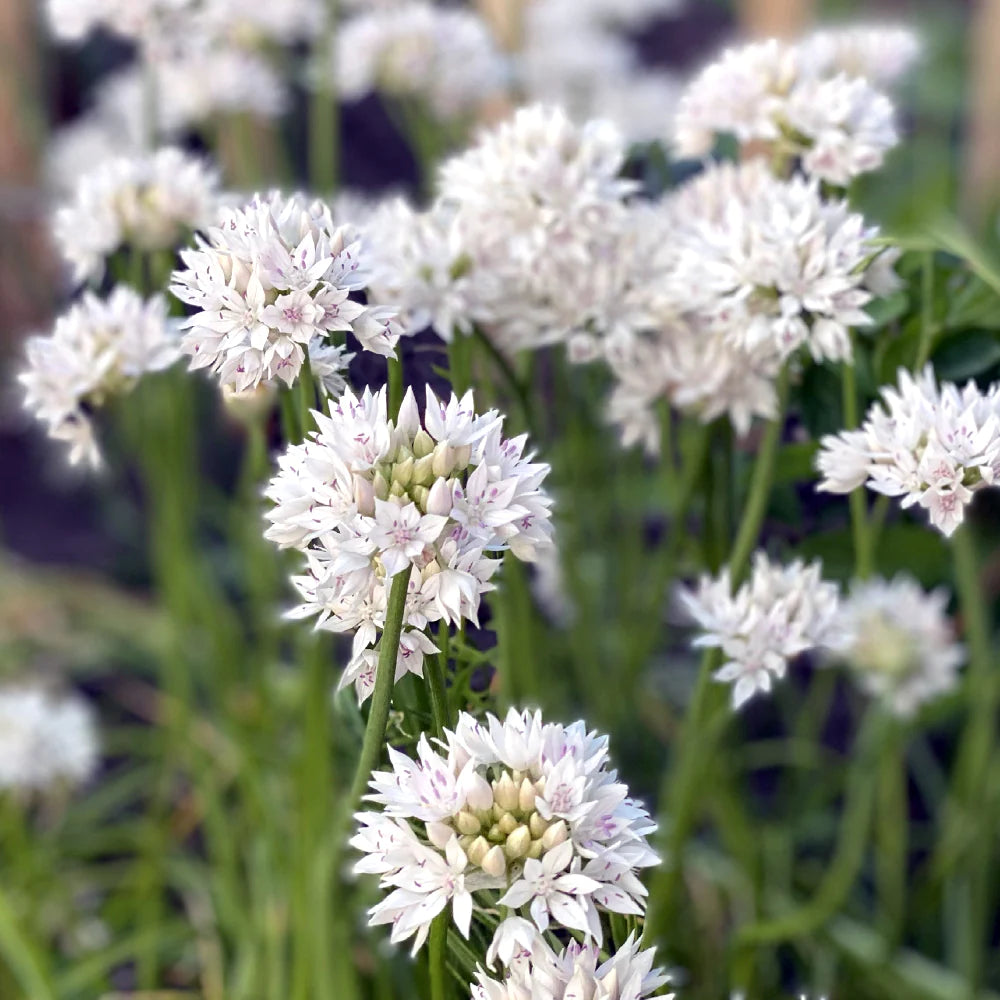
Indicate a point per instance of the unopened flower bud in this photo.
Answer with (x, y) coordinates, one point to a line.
(439, 834)
(537, 825)
(439, 499)
(402, 472)
(494, 863)
(518, 843)
(505, 793)
(380, 486)
(444, 457)
(423, 443)
(495, 834)
(508, 824)
(465, 822)
(422, 471)
(476, 851)
(555, 835)
(526, 796)
(478, 795)
(535, 851)
(419, 494)
(461, 457)
(364, 496)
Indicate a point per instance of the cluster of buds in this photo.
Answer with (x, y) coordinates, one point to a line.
(511, 828)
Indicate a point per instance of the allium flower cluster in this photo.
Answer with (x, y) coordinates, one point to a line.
(932, 445)
(536, 206)
(526, 812)
(779, 613)
(367, 497)
(98, 349)
(271, 282)
(150, 202)
(443, 56)
(898, 641)
(577, 973)
(793, 102)
(45, 739)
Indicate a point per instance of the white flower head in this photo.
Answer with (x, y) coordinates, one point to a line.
(931, 445)
(898, 641)
(437, 498)
(273, 278)
(784, 97)
(98, 349)
(524, 810)
(535, 205)
(45, 739)
(147, 202)
(443, 56)
(577, 973)
(777, 614)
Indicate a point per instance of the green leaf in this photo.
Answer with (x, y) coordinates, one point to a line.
(820, 399)
(966, 355)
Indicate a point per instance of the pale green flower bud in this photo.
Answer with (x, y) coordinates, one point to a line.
(419, 494)
(535, 851)
(537, 825)
(477, 850)
(526, 796)
(402, 472)
(462, 456)
(518, 843)
(443, 460)
(555, 835)
(380, 486)
(505, 793)
(423, 443)
(439, 499)
(494, 863)
(422, 474)
(508, 823)
(495, 834)
(467, 823)
(396, 490)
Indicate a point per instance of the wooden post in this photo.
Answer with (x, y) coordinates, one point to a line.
(776, 18)
(981, 167)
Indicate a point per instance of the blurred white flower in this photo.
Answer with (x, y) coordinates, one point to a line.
(879, 53)
(146, 202)
(98, 349)
(898, 641)
(931, 445)
(269, 280)
(536, 206)
(527, 811)
(778, 613)
(45, 739)
(443, 56)
(577, 973)
(367, 497)
(793, 102)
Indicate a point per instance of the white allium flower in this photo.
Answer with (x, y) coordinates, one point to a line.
(931, 445)
(537, 203)
(899, 642)
(577, 973)
(879, 53)
(148, 202)
(443, 56)
(271, 280)
(366, 498)
(81, 146)
(772, 262)
(779, 95)
(98, 349)
(141, 20)
(45, 739)
(525, 811)
(778, 613)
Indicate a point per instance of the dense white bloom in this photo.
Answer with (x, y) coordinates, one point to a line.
(899, 642)
(73, 20)
(147, 203)
(537, 203)
(780, 612)
(367, 497)
(576, 973)
(526, 810)
(931, 445)
(773, 263)
(98, 349)
(443, 56)
(795, 104)
(879, 53)
(271, 280)
(45, 739)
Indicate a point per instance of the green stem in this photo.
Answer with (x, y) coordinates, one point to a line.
(324, 120)
(891, 819)
(394, 379)
(381, 699)
(510, 376)
(760, 489)
(863, 555)
(458, 361)
(850, 850)
(927, 329)
(24, 962)
(434, 671)
(437, 957)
